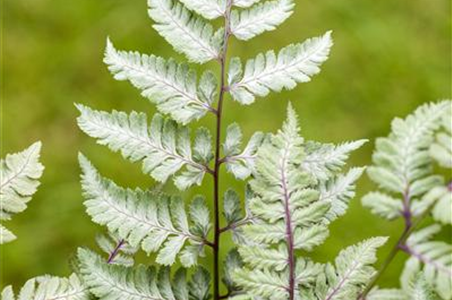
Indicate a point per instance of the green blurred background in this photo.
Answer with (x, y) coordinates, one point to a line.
(389, 57)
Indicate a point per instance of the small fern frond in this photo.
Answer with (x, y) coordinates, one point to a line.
(115, 282)
(164, 147)
(156, 221)
(186, 32)
(19, 180)
(271, 72)
(170, 85)
(48, 288)
(266, 16)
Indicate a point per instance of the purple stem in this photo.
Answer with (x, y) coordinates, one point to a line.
(115, 252)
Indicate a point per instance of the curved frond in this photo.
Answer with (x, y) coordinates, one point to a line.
(19, 180)
(170, 85)
(163, 146)
(186, 32)
(266, 16)
(115, 282)
(156, 221)
(49, 288)
(270, 72)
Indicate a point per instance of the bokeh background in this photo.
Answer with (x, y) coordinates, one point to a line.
(389, 57)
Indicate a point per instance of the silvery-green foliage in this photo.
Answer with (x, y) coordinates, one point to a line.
(19, 180)
(116, 282)
(163, 146)
(291, 210)
(433, 258)
(185, 31)
(416, 288)
(441, 149)
(262, 17)
(157, 222)
(273, 72)
(117, 250)
(172, 86)
(47, 287)
(402, 164)
(403, 168)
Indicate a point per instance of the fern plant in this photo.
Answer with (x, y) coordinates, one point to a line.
(293, 188)
(410, 189)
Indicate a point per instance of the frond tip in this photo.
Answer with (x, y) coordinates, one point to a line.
(19, 180)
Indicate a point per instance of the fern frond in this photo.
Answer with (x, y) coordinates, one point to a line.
(240, 164)
(169, 85)
(19, 180)
(156, 221)
(163, 146)
(325, 160)
(209, 9)
(433, 258)
(288, 215)
(266, 16)
(351, 273)
(186, 32)
(48, 288)
(441, 149)
(114, 282)
(401, 160)
(271, 72)
(402, 165)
